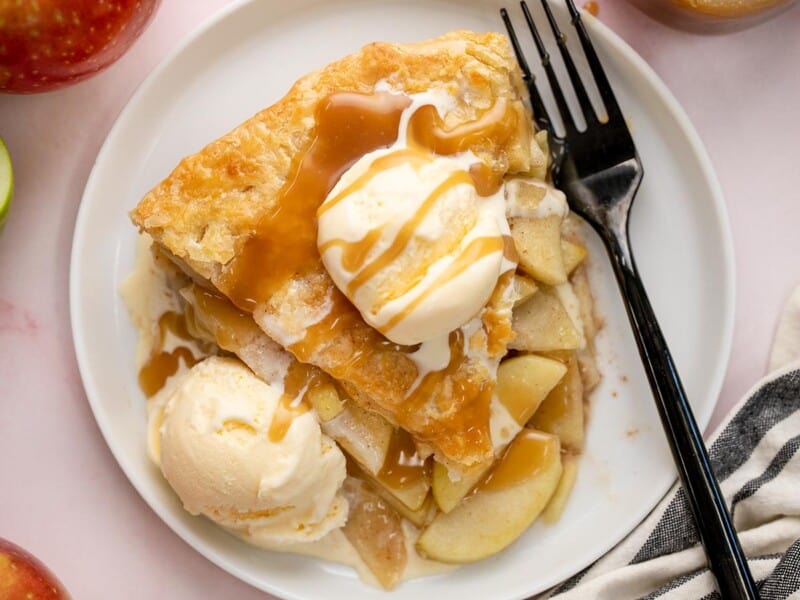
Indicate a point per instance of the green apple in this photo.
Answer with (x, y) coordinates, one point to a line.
(6, 182)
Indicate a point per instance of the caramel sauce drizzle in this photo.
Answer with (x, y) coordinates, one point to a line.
(403, 466)
(451, 385)
(362, 247)
(486, 179)
(406, 233)
(283, 244)
(230, 326)
(354, 254)
(426, 135)
(299, 379)
(526, 455)
(161, 365)
(475, 251)
(495, 126)
(496, 324)
(389, 161)
(284, 416)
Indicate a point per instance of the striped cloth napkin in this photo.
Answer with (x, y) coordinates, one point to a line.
(755, 455)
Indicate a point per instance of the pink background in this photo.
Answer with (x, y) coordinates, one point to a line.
(63, 497)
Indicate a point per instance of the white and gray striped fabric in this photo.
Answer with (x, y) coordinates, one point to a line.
(755, 454)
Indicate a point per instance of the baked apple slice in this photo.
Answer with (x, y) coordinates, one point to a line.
(538, 244)
(561, 413)
(503, 505)
(552, 512)
(448, 492)
(543, 324)
(572, 254)
(523, 382)
(376, 532)
(524, 288)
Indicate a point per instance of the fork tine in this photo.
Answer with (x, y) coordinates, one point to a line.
(603, 86)
(580, 91)
(561, 102)
(539, 111)
(523, 64)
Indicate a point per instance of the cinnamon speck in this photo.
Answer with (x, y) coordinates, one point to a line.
(623, 378)
(632, 432)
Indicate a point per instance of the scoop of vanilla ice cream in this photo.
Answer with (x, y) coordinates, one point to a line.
(410, 242)
(211, 438)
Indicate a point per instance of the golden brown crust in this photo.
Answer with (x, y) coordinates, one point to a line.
(204, 212)
(205, 209)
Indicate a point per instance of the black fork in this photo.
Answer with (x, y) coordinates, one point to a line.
(599, 171)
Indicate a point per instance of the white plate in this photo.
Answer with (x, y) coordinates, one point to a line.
(247, 57)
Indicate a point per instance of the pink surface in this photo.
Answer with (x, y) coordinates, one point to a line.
(62, 495)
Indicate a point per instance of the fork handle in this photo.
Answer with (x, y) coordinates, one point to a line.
(725, 557)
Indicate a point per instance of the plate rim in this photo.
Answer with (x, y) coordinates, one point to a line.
(596, 27)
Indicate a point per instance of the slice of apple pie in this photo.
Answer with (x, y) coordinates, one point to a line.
(381, 250)
(242, 216)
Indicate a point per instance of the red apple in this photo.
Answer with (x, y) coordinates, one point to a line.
(23, 577)
(48, 44)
